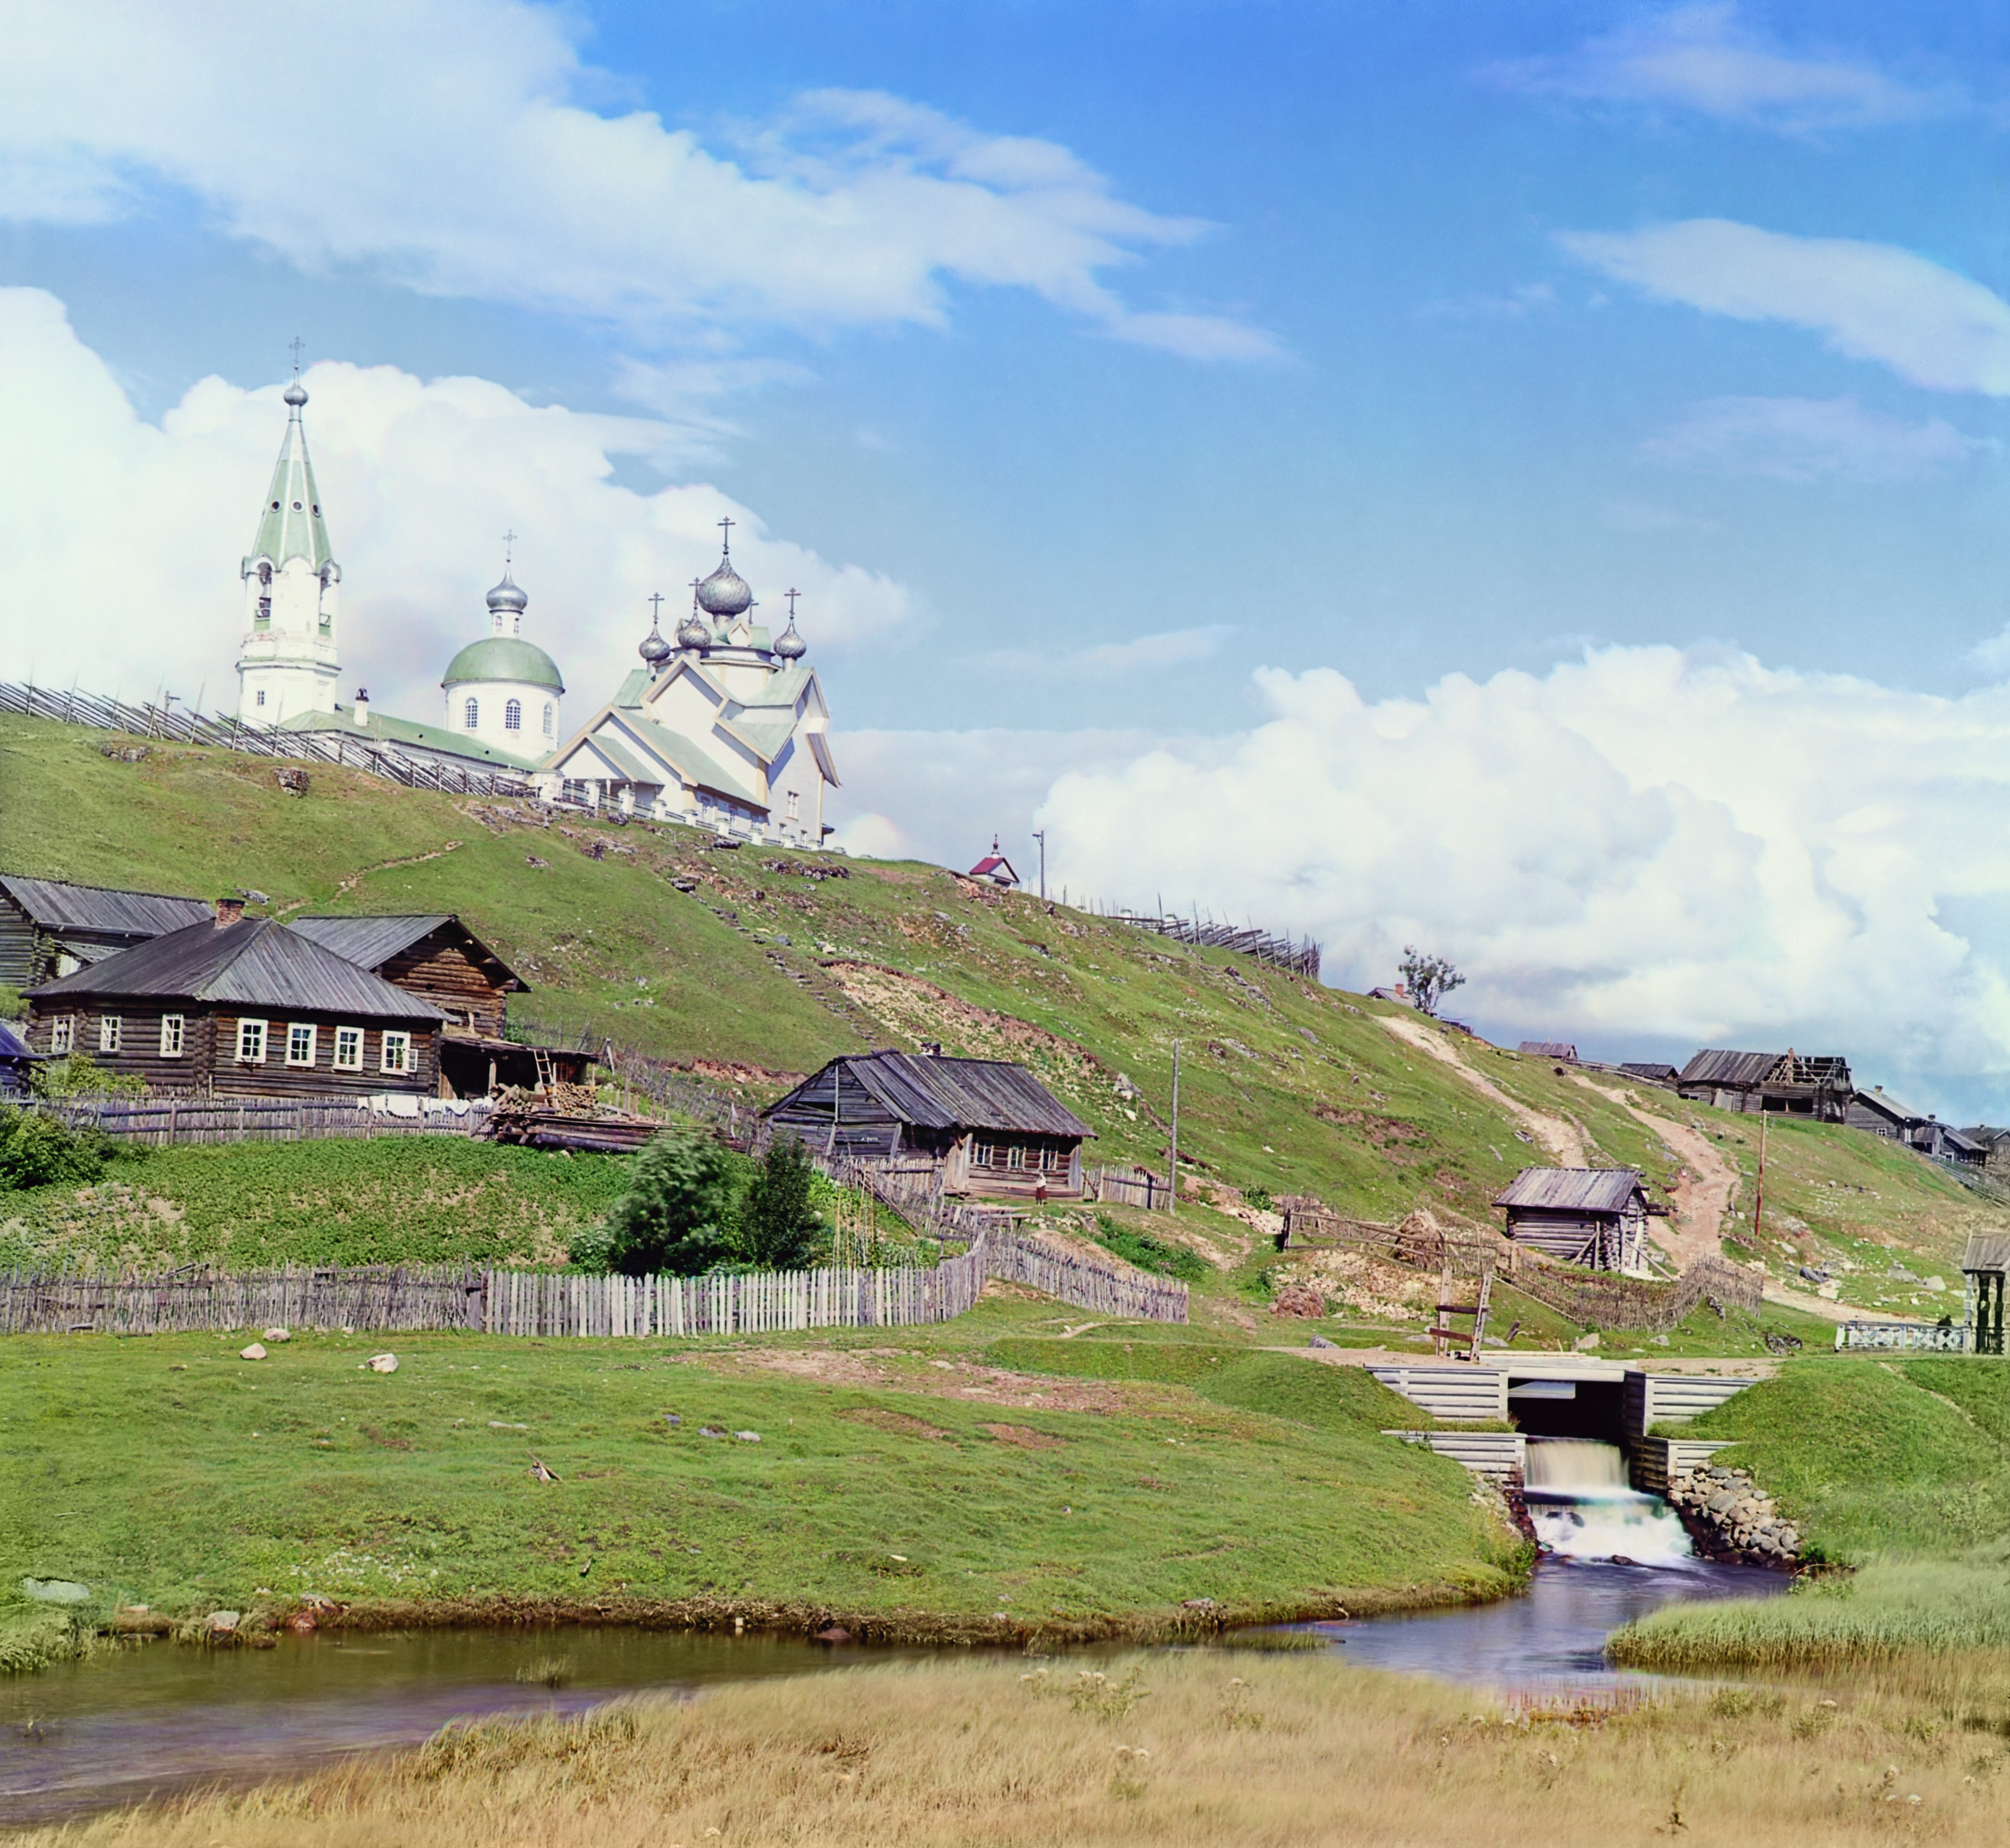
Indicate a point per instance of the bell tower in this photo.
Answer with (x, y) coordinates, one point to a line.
(286, 663)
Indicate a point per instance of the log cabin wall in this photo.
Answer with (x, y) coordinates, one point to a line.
(866, 1129)
(20, 953)
(437, 970)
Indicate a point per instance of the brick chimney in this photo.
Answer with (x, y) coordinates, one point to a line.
(229, 911)
(361, 710)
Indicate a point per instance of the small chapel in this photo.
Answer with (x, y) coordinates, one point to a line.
(728, 729)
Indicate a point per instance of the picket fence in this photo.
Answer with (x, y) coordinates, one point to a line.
(533, 1303)
(160, 1122)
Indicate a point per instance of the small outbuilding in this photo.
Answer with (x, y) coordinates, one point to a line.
(240, 1007)
(1985, 1266)
(1648, 1071)
(1561, 1050)
(986, 1126)
(995, 869)
(434, 955)
(1595, 1216)
(49, 927)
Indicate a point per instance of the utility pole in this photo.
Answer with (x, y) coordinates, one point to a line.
(1759, 1191)
(1040, 835)
(1174, 1206)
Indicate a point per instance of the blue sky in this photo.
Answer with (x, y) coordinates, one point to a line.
(1119, 354)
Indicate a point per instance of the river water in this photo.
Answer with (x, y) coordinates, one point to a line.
(158, 1718)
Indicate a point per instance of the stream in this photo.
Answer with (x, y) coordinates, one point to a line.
(155, 1719)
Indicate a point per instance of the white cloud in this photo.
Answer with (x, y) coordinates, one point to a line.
(1141, 654)
(1872, 301)
(442, 144)
(1801, 439)
(1682, 847)
(119, 540)
(1701, 58)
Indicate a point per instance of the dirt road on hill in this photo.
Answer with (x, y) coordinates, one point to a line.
(1702, 1197)
(1559, 1136)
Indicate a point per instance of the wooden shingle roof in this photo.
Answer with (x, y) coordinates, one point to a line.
(1572, 1189)
(55, 906)
(257, 962)
(934, 1093)
(371, 942)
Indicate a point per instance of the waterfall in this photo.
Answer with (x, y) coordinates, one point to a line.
(1582, 1509)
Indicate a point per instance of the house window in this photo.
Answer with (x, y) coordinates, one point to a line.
(795, 806)
(1015, 1156)
(397, 1052)
(471, 715)
(348, 1049)
(982, 1154)
(109, 1032)
(62, 1034)
(300, 1038)
(512, 715)
(250, 1042)
(261, 696)
(551, 717)
(171, 1036)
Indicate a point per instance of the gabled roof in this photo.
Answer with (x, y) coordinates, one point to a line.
(1550, 1049)
(13, 1048)
(994, 867)
(1572, 1189)
(1648, 1069)
(371, 942)
(933, 1092)
(257, 962)
(1711, 1067)
(1987, 1251)
(54, 906)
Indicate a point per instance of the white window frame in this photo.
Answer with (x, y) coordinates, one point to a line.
(512, 715)
(349, 1041)
(173, 1036)
(795, 805)
(62, 1035)
(294, 1029)
(261, 696)
(471, 714)
(399, 1045)
(253, 1038)
(111, 1032)
(550, 718)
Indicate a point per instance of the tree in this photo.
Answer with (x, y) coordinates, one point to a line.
(677, 1216)
(1428, 978)
(39, 1151)
(779, 1228)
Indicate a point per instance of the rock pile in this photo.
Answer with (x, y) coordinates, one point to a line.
(1736, 1518)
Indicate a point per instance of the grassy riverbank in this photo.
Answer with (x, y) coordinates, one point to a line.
(1896, 1470)
(1215, 1747)
(900, 1485)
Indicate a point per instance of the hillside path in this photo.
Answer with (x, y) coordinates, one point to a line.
(1560, 1136)
(1703, 1195)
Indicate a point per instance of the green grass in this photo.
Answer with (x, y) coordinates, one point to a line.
(392, 1200)
(169, 1472)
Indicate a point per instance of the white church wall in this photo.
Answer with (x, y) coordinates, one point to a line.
(531, 736)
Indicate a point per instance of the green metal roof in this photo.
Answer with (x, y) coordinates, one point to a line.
(291, 524)
(504, 658)
(381, 726)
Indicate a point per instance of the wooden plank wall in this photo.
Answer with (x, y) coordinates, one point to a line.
(441, 971)
(160, 1122)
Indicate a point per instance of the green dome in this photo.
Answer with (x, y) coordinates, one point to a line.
(504, 658)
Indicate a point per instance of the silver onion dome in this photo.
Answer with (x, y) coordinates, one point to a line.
(296, 395)
(725, 593)
(692, 633)
(789, 644)
(505, 595)
(653, 648)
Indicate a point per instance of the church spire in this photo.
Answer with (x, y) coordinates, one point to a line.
(290, 523)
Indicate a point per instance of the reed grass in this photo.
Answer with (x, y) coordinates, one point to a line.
(1201, 1748)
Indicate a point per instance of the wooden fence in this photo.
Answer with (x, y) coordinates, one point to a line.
(387, 1300)
(1105, 1286)
(1930, 1338)
(1301, 957)
(188, 727)
(158, 1122)
(1127, 1187)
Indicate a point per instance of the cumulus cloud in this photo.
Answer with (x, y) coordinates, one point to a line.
(120, 539)
(1702, 58)
(445, 145)
(1801, 439)
(1646, 845)
(1872, 301)
(1141, 654)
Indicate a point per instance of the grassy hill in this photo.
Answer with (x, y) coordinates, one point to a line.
(745, 964)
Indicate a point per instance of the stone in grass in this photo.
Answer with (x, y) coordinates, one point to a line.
(56, 1591)
(382, 1363)
(279, 1334)
(222, 1624)
(1319, 1340)
(748, 1437)
(255, 1351)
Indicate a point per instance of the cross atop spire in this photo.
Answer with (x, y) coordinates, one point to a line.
(655, 602)
(725, 543)
(792, 595)
(299, 346)
(509, 551)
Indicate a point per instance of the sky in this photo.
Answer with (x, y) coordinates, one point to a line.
(1526, 481)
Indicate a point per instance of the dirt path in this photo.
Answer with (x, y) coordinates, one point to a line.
(1703, 1195)
(1558, 1136)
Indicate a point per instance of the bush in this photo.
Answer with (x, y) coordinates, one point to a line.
(678, 1215)
(780, 1229)
(12, 1006)
(1148, 1253)
(75, 1074)
(37, 1151)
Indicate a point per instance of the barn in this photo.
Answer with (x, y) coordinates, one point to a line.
(988, 1126)
(49, 927)
(240, 1007)
(1752, 1082)
(1596, 1217)
(434, 956)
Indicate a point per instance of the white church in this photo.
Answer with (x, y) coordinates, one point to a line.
(728, 729)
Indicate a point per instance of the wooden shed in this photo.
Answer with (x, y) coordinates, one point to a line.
(434, 955)
(1561, 1050)
(1985, 1266)
(1752, 1082)
(1596, 1217)
(241, 1006)
(987, 1127)
(49, 927)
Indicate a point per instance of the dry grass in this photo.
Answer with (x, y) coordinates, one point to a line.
(1210, 1748)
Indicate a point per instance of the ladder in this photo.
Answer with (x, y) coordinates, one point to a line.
(544, 1061)
(1444, 1336)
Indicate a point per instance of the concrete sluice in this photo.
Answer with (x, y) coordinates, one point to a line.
(1582, 1507)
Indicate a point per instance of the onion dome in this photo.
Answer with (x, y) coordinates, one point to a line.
(505, 595)
(296, 395)
(725, 593)
(692, 633)
(653, 648)
(789, 644)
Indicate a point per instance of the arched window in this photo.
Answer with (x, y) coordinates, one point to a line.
(513, 716)
(550, 715)
(471, 715)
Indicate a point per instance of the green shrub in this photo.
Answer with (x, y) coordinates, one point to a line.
(38, 1151)
(780, 1227)
(1148, 1253)
(12, 1006)
(76, 1075)
(1259, 1198)
(678, 1215)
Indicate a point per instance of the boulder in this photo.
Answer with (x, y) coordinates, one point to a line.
(255, 1351)
(223, 1624)
(382, 1363)
(279, 1334)
(1298, 1299)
